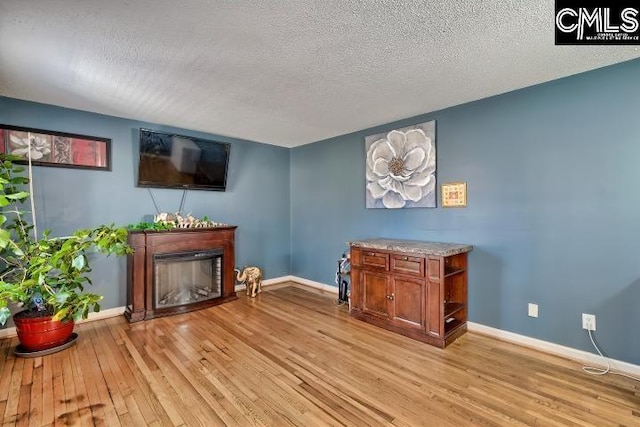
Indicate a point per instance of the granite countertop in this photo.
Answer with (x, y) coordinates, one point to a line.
(413, 246)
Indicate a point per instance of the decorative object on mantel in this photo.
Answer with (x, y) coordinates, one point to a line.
(251, 277)
(189, 221)
(50, 148)
(401, 167)
(168, 221)
(454, 195)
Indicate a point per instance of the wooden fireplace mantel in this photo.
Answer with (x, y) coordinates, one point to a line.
(146, 244)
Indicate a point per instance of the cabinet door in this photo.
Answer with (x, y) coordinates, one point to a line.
(374, 293)
(408, 303)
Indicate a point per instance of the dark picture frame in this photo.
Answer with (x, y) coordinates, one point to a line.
(57, 149)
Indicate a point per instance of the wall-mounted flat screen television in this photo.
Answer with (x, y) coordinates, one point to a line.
(168, 160)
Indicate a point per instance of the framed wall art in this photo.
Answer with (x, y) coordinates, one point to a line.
(454, 195)
(59, 149)
(401, 168)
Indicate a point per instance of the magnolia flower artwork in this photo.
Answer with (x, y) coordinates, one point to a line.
(401, 168)
(40, 146)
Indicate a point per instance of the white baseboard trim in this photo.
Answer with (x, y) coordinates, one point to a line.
(105, 314)
(102, 314)
(314, 284)
(300, 280)
(556, 349)
(266, 282)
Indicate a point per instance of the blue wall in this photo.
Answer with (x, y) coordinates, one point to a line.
(553, 205)
(256, 200)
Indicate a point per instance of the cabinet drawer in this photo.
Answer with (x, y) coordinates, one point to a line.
(404, 264)
(375, 260)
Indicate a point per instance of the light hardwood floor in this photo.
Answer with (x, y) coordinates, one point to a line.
(293, 356)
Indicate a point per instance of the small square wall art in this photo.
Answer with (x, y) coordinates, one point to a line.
(401, 168)
(454, 195)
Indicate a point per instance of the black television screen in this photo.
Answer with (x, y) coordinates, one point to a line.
(168, 160)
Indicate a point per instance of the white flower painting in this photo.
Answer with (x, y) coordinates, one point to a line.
(40, 145)
(401, 168)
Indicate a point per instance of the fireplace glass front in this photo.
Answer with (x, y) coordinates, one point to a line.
(187, 277)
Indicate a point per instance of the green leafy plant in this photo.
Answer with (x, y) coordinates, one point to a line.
(150, 226)
(46, 274)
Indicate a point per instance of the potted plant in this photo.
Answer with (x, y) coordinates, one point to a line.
(45, 275)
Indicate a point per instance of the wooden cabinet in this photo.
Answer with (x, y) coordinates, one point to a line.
(418, 289)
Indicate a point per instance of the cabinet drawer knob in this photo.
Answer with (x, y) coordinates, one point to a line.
(391, 297)
(406, 258)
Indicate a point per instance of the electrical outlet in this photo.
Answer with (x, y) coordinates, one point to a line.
(533, 310)
(589, 322)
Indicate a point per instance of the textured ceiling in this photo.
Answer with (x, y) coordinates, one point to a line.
(283, 72)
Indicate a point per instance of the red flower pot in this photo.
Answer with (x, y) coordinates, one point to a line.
(41, 333)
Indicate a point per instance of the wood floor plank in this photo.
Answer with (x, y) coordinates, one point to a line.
(110, 371)
(48, 415)
(147, 380)
(82, 415)
(11, 408)
(197, 371)
(36, 395)
(253, 366)
(6, 367)
(22, 417)
(99, 401)
(292, 356)
(59, 404)
(190, 405)
(129, 380)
